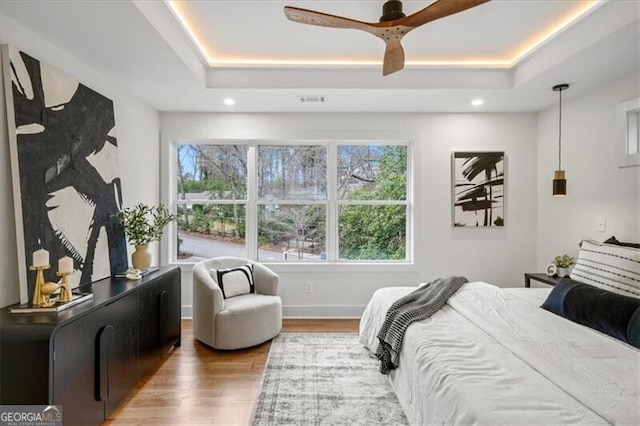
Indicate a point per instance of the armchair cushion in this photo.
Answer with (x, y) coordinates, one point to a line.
(235, 281)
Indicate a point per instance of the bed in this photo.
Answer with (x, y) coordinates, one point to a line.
(492, 356)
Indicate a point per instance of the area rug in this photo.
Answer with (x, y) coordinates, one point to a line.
(324, 379)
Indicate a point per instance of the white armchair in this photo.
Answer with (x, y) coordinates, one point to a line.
(240, 321)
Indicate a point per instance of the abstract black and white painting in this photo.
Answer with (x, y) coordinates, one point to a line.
(64, 170)
(478, 189)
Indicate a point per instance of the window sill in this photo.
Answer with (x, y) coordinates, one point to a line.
(325, 267)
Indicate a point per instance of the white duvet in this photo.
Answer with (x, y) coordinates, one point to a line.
(492, 357)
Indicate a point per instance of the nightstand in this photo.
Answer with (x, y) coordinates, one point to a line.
(543, 278)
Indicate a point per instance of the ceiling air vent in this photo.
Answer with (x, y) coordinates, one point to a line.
(312, 98)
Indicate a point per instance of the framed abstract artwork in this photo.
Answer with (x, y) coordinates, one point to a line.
(478, 189)
(64, 165)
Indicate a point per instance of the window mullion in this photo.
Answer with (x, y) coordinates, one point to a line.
(168, 164)
(373, 202)
(410, 218)
(252, 207)
(332, 205)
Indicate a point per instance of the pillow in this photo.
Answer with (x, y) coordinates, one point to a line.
(614, 240)
(235, 281)
(609, 267)
(610, 313)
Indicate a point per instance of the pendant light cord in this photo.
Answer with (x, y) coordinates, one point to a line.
(560, 133)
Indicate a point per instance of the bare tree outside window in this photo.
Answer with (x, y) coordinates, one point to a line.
(212, 191)
(292, 172)
(372, 172)
(291, 203)
(296, 230)
(215, 172)
(296, 174)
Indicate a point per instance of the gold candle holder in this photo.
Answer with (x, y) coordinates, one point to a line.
(37, 299)
(65, 290)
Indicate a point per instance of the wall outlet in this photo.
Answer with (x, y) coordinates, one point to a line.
(308, 287)
(601, 225)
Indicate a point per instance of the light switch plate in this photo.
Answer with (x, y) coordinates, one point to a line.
(601, 225)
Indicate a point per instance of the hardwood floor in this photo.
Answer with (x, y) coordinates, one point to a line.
(198, 385)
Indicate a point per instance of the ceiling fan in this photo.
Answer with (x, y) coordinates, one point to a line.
(393, 25)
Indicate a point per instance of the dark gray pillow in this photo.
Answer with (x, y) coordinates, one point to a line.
(610, 313)
(613, 240)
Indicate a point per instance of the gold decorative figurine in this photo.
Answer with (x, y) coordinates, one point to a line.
(65, 290)
(38, 300)
(47, 290)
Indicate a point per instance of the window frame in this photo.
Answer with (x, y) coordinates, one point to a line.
(169, 197)
(628, 132)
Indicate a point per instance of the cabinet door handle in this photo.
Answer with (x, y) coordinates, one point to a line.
(104, 344)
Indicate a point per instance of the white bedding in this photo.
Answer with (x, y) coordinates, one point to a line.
(492, 356)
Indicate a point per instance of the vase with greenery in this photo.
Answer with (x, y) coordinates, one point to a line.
(563, 263)
(142, 225)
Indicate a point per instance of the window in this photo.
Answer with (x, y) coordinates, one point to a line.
(290, 202)
(633, 132)
(211, 201)
(372, 193)
(628, 127)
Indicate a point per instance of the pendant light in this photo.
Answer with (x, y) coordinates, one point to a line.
(559, 179)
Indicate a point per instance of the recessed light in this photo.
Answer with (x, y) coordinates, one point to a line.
(229, 101)
(477, 102)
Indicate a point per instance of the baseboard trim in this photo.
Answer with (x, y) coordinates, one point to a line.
(322, 311)
(307, 311)
(187, 312)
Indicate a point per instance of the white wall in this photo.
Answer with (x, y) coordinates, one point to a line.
(596, 187)
(479, 254)
(441, 249)
(137, 129)
(537, 226)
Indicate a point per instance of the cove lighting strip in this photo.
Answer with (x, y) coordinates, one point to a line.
(539, 40)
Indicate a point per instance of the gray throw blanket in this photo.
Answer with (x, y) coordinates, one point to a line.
(418, 305)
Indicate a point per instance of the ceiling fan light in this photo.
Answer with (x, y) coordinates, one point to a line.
(392, 9)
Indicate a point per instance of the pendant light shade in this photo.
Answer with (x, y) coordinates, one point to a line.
(559, 184)
(559, 178)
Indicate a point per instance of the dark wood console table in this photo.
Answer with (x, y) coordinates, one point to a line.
(88, 357)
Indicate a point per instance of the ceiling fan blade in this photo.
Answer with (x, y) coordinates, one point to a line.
(390, 31)
(439, 9)
(311, 17)
(393, 57)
